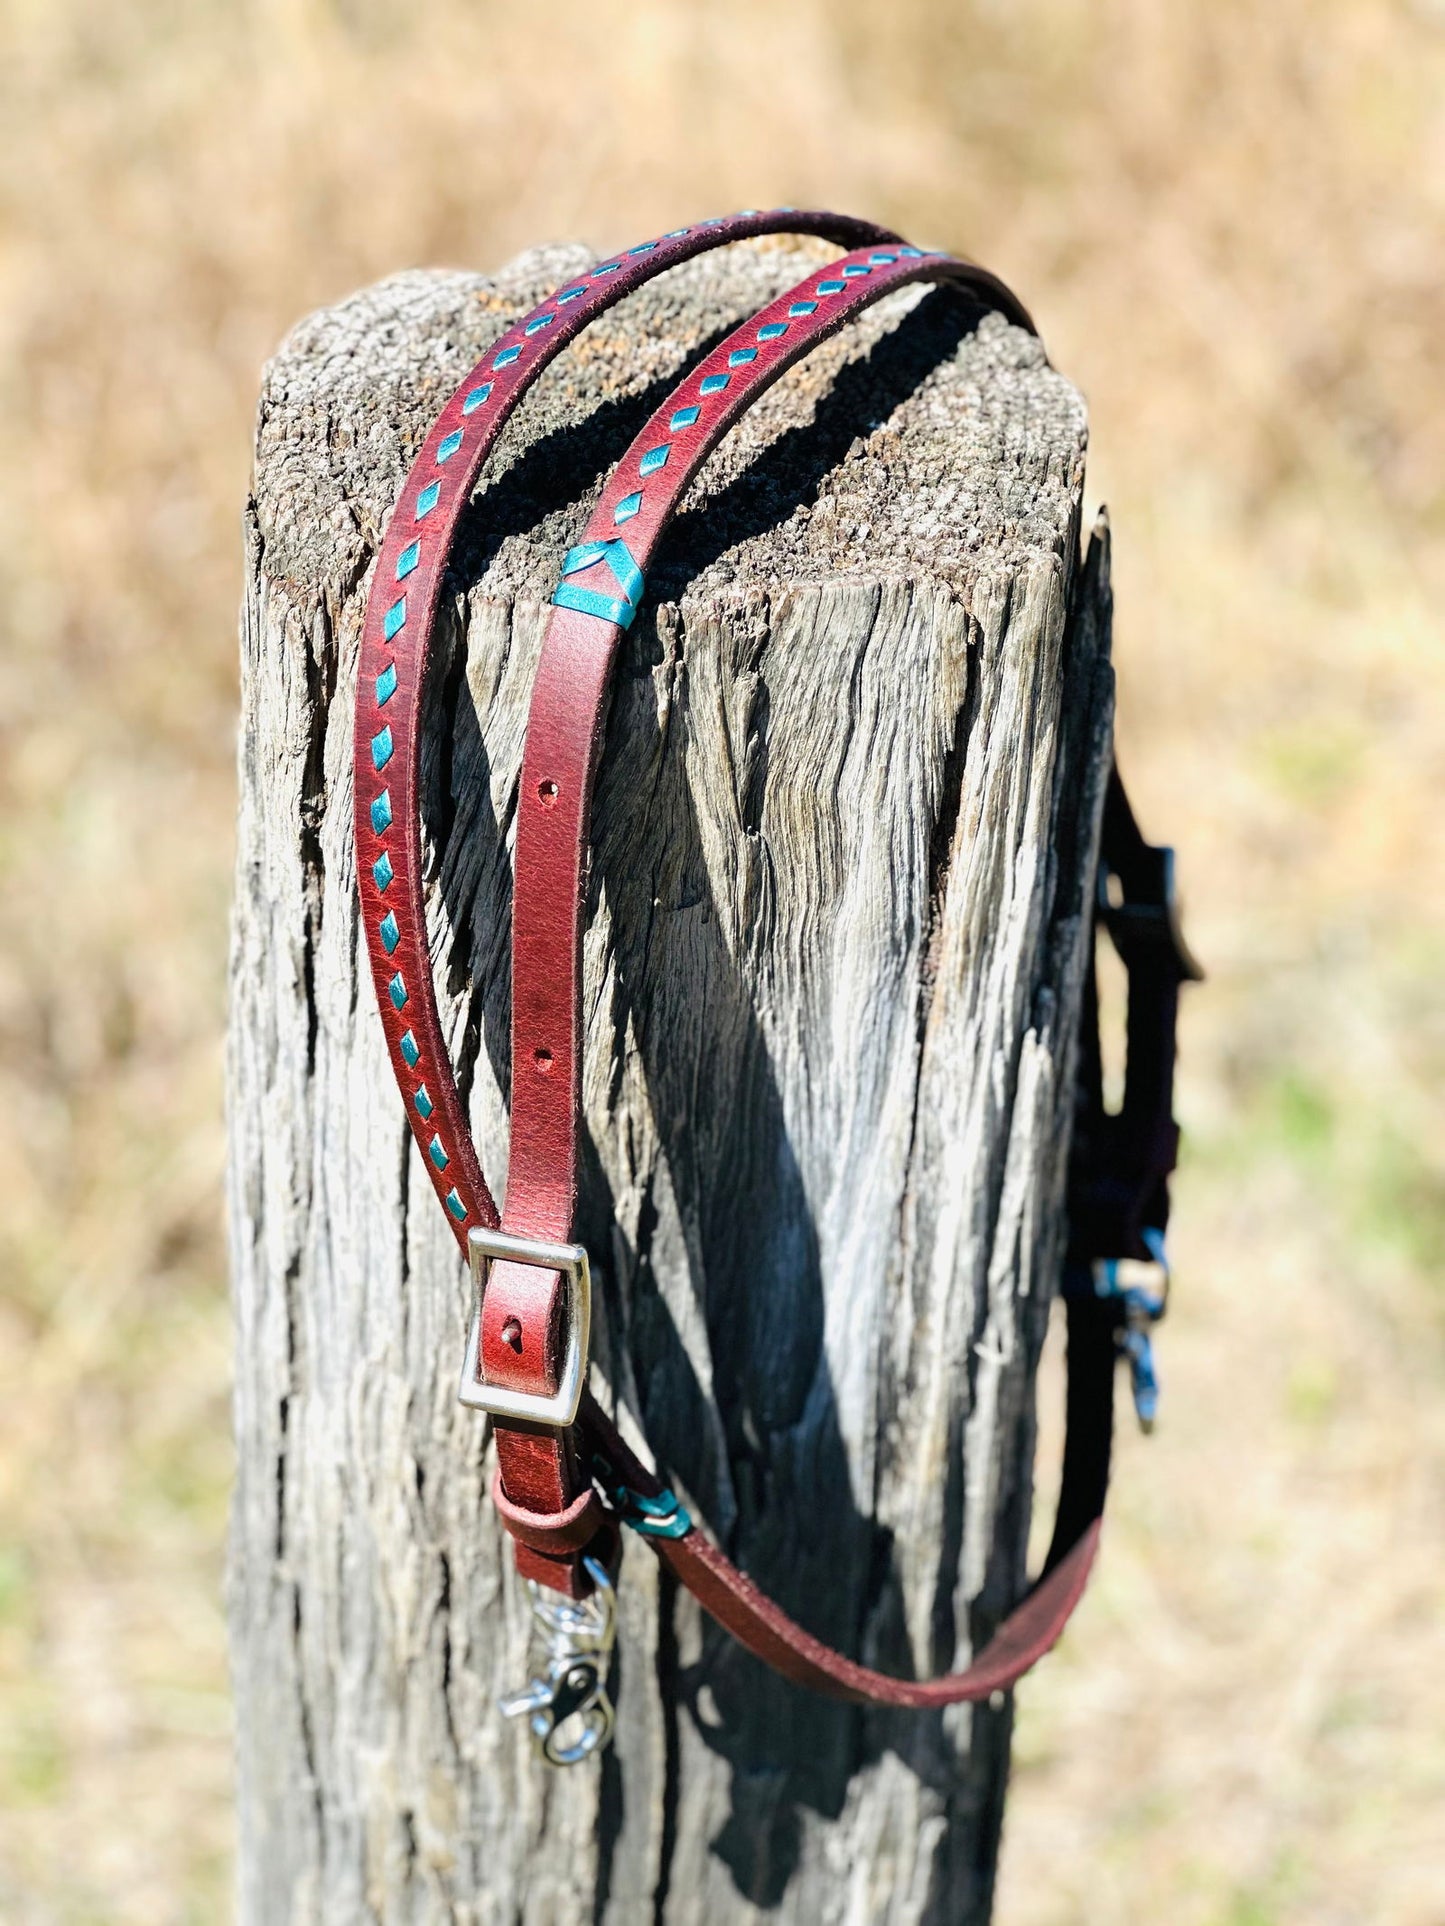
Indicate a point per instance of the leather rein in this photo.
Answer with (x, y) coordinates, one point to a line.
(565, 1480)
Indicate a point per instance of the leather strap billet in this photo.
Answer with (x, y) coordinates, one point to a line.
(564, 737)
(539, 1466)
(522, 1304)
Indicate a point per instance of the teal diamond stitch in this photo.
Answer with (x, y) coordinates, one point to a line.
(772, 330)
(713, 384)
(447, 447)
(438, 1156)
(684, 418)
(422, 1100)
(800, 308)
(397, 989)
(542, 321)
(411, 1050)
(390, 934)
(394, 618)
(407, 560)
(455, 1205)
(426, 501)
(654, 459)
(475, 399)
(506, 357)
(382, 871)
(740, 357)
(627, 508)
(386, 685)
(381, 813)
(831, 287)
(382, 747)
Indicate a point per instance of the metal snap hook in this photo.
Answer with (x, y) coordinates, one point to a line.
(1142, 1309)
(580, 1634)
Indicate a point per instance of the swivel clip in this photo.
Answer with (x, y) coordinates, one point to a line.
(572, 1689)
(1141, 1309)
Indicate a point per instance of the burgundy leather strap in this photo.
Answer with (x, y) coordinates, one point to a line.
(395, 649)
(539, 1467)
(564, 729)
(559, 768)
(1030, 1630)
(545, 1493)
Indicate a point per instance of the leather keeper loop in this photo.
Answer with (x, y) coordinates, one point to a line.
(553, 1533)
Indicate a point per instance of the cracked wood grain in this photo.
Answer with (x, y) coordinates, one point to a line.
(848, 806)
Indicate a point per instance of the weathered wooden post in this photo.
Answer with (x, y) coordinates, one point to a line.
(838, 913)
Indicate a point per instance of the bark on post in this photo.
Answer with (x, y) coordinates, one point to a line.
(838, 911)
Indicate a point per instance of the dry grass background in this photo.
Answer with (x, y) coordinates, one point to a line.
(1229, 219)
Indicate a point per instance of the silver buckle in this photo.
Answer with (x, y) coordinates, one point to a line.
(531, 1407)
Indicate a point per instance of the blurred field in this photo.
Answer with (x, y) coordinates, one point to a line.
(1229, 220)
